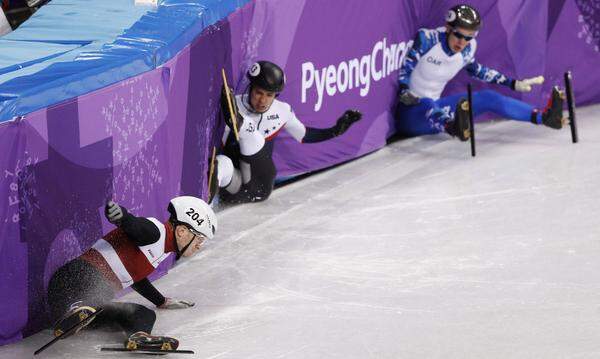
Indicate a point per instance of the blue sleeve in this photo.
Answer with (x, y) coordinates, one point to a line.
(423, 42)
(488, 75)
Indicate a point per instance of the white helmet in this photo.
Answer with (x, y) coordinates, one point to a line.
(195, 214)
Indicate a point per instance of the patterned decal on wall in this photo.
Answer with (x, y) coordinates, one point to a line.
(131, 119)
(19, 206)
(589, 19)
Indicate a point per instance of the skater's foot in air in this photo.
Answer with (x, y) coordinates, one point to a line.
(459, 127)
(553, 113)
(77, 313)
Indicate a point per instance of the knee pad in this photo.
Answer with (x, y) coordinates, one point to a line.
(225, 170)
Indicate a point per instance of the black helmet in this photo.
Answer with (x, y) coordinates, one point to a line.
(266, 75)
(463, 16)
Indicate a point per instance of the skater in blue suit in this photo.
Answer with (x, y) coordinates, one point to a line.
(436, 56)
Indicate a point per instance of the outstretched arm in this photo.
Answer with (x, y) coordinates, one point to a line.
(145, 288)
(341, 126)
(488, 75)
(138, 229)
(492, 76)
(312, 135)
(148, 291)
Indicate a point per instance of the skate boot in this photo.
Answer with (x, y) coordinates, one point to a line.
(143, 340)
(76, 316)
(459, 127)
(553, 113)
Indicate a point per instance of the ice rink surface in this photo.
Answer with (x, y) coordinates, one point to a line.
(415, 251)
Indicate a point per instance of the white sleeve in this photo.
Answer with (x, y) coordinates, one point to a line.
(4, 24)
(294, 127)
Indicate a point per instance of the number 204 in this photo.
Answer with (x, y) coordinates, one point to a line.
(195, 216)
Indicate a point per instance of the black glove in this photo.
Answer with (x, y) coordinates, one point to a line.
(225, 108)
(113, 212)
(348, 118)
(407, 98)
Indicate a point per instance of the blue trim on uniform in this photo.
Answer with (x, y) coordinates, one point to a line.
(486, 74)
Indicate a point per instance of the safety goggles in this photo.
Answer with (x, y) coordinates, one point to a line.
(460, 35)
(196, 233)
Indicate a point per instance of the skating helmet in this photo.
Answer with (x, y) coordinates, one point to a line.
(266, 75)
(463, 16)
(193, 213)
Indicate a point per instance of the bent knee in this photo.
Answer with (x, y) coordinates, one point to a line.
(224, 170)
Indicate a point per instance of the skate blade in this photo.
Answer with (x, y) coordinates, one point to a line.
(84, 313)
(146, 351)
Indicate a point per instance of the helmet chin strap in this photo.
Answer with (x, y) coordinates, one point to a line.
(246, 101)
(180, 252)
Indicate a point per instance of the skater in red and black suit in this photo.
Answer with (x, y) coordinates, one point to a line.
(124, 258)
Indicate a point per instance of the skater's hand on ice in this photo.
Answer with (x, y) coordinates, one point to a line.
(171, 303)
(348, 118)
(407, 98)
(525, 84)
(113, 212)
